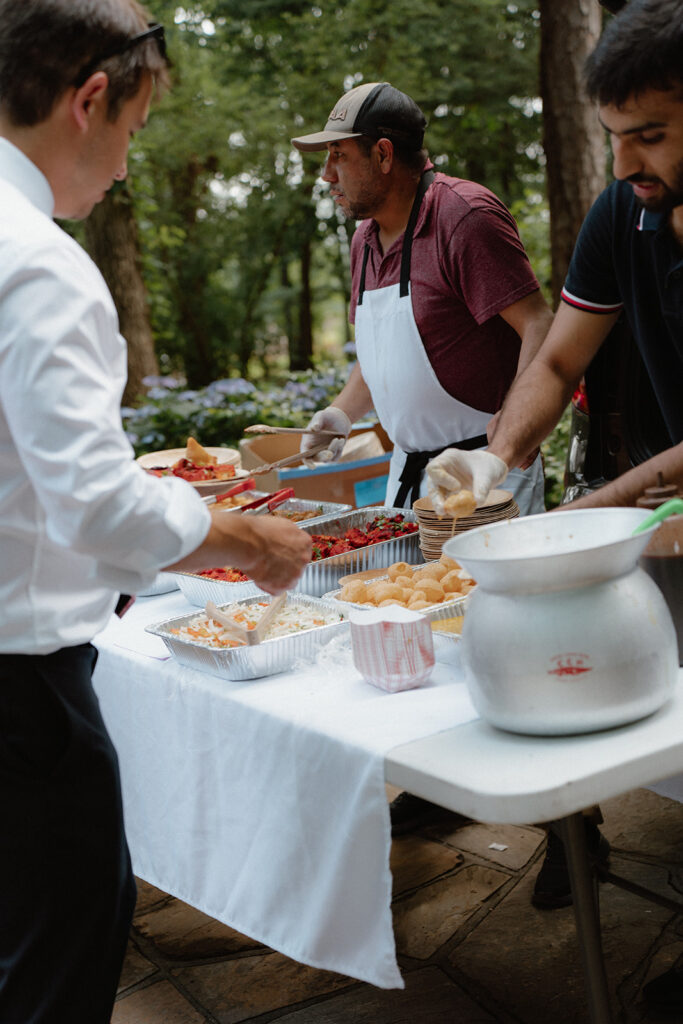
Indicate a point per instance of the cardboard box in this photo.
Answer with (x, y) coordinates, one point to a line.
(358, 479)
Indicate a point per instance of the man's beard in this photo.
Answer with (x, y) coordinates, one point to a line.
(366, 203)
(671, 198)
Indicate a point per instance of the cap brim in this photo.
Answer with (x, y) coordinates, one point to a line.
(319, 140)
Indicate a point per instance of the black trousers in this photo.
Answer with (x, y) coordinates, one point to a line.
(67, 892)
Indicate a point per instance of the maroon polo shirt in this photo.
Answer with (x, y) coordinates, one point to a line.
(468, 263)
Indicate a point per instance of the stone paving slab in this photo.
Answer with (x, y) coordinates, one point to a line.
(471, 947)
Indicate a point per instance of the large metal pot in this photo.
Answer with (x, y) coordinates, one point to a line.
(564, 633)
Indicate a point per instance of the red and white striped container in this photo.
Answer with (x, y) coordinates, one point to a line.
(392, 647)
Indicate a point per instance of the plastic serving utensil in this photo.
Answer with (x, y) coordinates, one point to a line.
(672, 507)
(244, 485)
(268, 502)
(250, 637)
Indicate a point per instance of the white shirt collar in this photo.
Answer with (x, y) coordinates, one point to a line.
(18, 170)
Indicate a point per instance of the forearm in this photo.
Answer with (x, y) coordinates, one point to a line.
(532, 339)
(231, 540)
(626, 489)
(531, 410)
(355, 398)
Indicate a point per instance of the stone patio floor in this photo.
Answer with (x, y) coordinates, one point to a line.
(471, 947)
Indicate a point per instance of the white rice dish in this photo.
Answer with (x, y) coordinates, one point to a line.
(293, 618)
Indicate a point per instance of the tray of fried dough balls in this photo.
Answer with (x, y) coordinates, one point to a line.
(439, 590)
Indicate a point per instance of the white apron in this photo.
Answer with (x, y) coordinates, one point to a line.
(417, 413)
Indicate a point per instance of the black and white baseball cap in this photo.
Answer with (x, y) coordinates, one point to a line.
(375, 109)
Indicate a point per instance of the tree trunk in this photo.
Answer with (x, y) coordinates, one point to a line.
(112, 239)
(301, 354)
(573, 138)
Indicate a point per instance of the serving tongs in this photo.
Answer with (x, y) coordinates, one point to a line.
(290, 459)
(244, 485)
(249, 637)
(266, 503)
(264, 428)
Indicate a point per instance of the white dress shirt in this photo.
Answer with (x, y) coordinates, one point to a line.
(79, 519)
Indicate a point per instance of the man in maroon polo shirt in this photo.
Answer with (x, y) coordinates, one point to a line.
(446, 307)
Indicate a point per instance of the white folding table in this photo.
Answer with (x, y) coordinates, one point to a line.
(499, 777)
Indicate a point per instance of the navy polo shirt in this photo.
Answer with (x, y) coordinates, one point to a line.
(627, 258)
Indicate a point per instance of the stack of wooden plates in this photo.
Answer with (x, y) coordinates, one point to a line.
(435, 530)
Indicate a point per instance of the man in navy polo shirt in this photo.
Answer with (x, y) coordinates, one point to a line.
(628, 260)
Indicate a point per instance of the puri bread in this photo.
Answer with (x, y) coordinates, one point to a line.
(414, 587)
(398, 569)
(462, 503)
(452, 582)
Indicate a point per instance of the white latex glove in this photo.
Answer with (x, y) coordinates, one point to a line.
(331, 418)
(455, 469)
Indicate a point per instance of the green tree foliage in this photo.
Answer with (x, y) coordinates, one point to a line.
(245, 260)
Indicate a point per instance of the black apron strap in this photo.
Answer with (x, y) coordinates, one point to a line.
(425, 181)
(413, 471)
(361, 286)
(406, 251)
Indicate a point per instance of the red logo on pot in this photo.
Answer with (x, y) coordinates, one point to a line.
(570, 665)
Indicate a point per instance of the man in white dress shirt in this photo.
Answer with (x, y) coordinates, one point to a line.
(79, 520)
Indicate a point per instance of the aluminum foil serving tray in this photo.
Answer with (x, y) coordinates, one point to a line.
(321, 576)
(328, 509)
(200, 589)
(445, 610)
(264, 659)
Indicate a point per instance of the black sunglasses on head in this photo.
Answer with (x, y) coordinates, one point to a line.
(154, 31)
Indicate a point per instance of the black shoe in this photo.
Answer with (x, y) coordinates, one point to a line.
(666, 991)
(409, 812)
(553, 888)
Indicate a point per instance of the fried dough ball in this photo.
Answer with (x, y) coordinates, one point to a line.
(452, 582)
(398, 569)
(467, 585)
(433, 569)
(462, 503)
(354, 592)
(389, 601)
(433, 590)
(387, 591)
(449, 562)
(417, 595)
(417, 606)
(404, 581)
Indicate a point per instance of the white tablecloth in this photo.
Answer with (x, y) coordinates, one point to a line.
(263, 803)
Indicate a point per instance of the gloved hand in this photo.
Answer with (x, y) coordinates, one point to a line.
(455, 469)
(331, 418)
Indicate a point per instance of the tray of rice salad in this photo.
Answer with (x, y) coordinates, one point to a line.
(301, 627)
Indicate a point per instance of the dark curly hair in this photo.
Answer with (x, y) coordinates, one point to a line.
(640, 49)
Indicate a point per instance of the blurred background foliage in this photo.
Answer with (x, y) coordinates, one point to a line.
(244, 259)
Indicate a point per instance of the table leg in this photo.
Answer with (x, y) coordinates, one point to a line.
(587, 914)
